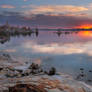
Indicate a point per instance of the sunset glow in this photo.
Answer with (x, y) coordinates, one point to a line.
(86, 26)
(47, 14)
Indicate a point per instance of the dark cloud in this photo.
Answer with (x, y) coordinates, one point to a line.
(44, 20)
(59, 21)
(7, 13)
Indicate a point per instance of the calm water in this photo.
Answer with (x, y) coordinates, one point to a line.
(68, 52)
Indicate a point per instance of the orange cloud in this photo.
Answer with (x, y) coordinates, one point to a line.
(85, 26)
(7, 6)
(55, 9)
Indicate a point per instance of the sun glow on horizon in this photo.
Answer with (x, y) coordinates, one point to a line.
(86, 26)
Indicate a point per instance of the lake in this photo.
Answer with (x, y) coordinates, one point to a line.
(70, 52)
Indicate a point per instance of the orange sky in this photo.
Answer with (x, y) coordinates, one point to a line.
(85, 26)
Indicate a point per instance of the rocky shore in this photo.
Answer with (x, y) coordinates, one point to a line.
(35, 79)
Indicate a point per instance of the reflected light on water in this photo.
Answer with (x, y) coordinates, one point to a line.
(52, 48)
(85, 33)
(69, 52)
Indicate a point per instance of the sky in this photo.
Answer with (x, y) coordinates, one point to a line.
(47, 13)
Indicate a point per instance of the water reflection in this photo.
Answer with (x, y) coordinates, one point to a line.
(67, 51)
(5, 36)
(81, 33)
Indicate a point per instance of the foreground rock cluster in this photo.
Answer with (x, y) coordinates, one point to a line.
(35, 78)
(33, 69)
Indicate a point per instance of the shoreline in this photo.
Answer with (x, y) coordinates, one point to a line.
(50, 83)
(62, 80)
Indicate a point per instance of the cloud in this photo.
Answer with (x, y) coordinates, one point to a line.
(41, 20)
(58, 15)
(90, 5)
(53, 9)
(9, 13)
(8, 6)
(59, 20)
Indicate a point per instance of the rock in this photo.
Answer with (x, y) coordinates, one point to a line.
(26, 72)
(54, 90)
(82, 75)
(12, 73)
(52, 71)
(1, 68)
(26, 88)
(90, 71)
(34, 66)
(4, 56)
(35, 79)
(81, 68)
(19, 70)
(35, 69)
(89, 80)
(81, 90)
(4, 89)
